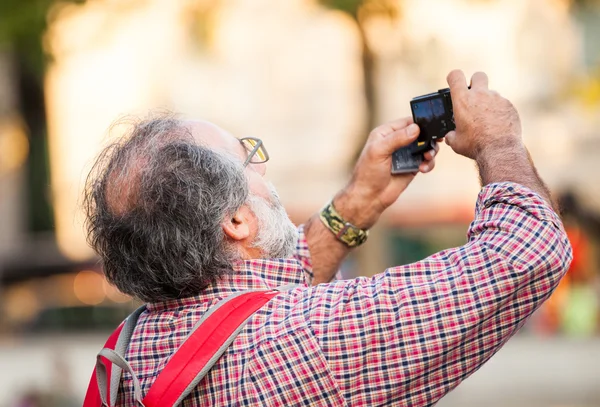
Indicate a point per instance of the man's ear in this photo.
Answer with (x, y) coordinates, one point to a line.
(239, 225)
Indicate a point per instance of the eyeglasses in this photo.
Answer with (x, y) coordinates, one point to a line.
(257, 153)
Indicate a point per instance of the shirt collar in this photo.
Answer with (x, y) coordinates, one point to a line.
(255, 274)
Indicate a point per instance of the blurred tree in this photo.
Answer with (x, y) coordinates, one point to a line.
(584, 3)
(203, 15)
(361, 11)
(587, 87)
(373, 257)
(22, 26)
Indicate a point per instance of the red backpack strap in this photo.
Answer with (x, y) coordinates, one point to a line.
(206, 343)
(209, 338)
(104, 383)
(92, 396)
(114, 378)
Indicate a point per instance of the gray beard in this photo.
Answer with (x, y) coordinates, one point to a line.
(277, 236)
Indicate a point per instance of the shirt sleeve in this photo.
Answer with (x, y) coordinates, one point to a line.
(411, 334)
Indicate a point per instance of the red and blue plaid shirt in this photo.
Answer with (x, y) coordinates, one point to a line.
(403, 337)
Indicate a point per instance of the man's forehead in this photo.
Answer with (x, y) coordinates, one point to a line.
(209, 134)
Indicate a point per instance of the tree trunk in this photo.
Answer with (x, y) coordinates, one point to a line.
(12, 180)
(368, 63)
(371, 258)
(33, 110)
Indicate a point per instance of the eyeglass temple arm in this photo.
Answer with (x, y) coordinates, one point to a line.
(253, 152)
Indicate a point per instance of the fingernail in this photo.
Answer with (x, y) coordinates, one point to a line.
(412, 129)
(432, 153)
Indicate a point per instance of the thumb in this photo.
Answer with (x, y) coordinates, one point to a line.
(451, 138)
(400, 138)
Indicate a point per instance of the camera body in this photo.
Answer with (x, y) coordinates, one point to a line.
(435, 117)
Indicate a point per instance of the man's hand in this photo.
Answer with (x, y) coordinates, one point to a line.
(484, 119)
(488, 130)
(373, 188)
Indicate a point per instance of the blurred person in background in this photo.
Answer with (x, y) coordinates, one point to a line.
(182, 217)
(32, 398)
(59, 393)
(578, 306)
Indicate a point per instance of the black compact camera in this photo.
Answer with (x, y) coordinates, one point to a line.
(435, 117)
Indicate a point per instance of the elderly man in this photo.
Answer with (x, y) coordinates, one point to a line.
(182, 217)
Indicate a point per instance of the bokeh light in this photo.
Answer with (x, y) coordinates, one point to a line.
(113, 293)
(14, 145)
(21, 304)
(88, 287)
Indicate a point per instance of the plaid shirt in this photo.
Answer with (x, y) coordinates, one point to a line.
(403, 337)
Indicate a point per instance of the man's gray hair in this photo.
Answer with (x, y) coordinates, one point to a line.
(155, 201)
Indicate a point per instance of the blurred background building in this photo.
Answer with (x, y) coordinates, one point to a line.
(310, 77)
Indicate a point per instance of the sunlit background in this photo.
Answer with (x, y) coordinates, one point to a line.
(310, 78)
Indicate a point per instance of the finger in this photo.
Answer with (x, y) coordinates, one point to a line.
(427, 166)
(450, 138)
(429, 155)
(436, 146)
(390, 127)
(398, 139)
(479, 80)
(401, 123)
(457, 82)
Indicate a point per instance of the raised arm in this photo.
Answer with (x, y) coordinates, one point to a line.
(411, 334)
(370, 191)
(488, 130)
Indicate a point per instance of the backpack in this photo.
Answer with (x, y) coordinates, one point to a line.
(207, 341)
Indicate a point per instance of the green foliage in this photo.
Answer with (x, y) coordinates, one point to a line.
(349, 6)
(586, 3)
(359, 9)
(22, 25)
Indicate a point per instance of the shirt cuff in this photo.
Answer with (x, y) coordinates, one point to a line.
(510, 193)
(302, 254)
